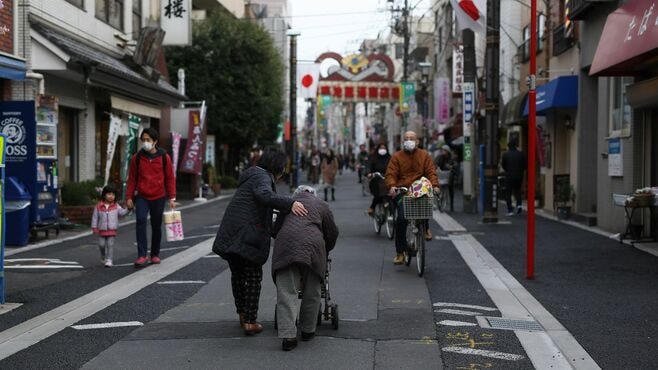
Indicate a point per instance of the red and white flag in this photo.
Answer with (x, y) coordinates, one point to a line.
(471, 14)
(308, 75)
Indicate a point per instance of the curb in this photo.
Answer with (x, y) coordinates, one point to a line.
(88, 233)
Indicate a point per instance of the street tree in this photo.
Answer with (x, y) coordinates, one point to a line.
(233, 65)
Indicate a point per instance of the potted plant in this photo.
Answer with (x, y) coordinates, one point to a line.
(79, 199)
(564, 196)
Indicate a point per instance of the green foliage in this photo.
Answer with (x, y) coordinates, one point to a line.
(565, 193)
(233, 65)
(82, 193)
(228, 182)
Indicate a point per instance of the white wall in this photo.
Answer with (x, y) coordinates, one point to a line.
(511, 36)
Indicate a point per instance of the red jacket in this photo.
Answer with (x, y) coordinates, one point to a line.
(149, 182)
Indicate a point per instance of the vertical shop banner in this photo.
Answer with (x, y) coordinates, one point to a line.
(407, 94)
(131, 144)
(112, 137)
(175, 149)
(457, 69)
(176, 22)
(194, 150)
(442, 93)
(468, 109)
(615, 158)
(2, 218)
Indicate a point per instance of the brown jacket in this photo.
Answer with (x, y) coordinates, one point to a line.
(329, 170)
(407, 167)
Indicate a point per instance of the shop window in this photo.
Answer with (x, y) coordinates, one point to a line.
(621, 112)
(541, 31)
(79, 3)
(137, 18)
(110, 12)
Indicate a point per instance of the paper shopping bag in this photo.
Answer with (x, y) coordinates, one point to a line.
(173, 226)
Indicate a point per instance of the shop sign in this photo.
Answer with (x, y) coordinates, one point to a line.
(18, 124)
(195, 145)
(457, 69)
(468, 107)
(131, 144)
(615, 158)
(442, 92)
(175, 148)
(112, 137)
(175, 21)
(408, 92)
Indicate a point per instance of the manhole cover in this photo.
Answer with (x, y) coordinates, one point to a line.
(504, 323)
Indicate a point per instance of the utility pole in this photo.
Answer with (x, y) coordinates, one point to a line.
(292, 149)
(532, 136)
(492, 107)
(470, 185)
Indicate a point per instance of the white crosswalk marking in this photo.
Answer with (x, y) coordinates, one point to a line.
(107, 325)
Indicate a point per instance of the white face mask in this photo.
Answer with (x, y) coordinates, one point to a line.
(409, 145)
(382, 151)
(147, 145)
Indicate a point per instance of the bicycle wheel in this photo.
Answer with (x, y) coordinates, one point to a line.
(420, 249)
(377, 217)
(410, 243)
(390, 222)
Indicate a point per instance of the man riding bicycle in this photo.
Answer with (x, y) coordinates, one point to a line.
(405, 167)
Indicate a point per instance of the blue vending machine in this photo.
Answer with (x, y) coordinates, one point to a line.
(31, 155)
(2, 219)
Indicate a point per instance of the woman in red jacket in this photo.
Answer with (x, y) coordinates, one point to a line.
(151, 183)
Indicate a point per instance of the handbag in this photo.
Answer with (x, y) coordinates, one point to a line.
(173, 226)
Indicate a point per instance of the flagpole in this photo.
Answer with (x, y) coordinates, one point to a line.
(532, 135)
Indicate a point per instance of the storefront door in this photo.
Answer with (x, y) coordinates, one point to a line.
(67, 146)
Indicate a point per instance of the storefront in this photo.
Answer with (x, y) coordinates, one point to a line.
(626, 55)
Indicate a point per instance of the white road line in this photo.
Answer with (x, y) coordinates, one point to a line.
(455, 323)
(42, 267)
(446, 222)
(33, 331)
(89, 233)
(199, 236)
(50, 260)
(458, 312)
(174, 248)
(471, 306)
(173, 282)
(7, 307)
(211, 256)
(555, 348)
(484, 353)
(211, 226)
(107, 325)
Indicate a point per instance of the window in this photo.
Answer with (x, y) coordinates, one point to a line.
(621, 113)
(137, 18)
(541, 31)
(440, 45)
(110, 12)
(526, 43)
(79, 3)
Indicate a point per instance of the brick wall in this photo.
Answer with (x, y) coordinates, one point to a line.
(7, 26)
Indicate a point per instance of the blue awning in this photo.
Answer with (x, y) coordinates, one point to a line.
(561, 92)
(12, 69)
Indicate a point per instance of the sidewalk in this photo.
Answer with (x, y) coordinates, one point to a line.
(386, 319)
(602, 291)
(81, 231)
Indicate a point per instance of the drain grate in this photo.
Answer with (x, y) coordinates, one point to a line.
(503, 323)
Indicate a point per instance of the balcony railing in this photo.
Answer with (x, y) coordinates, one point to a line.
(562, 42)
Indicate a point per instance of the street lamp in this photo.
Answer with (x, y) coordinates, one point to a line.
(292, 149)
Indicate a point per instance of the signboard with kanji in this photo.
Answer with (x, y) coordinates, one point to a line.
(175, 21)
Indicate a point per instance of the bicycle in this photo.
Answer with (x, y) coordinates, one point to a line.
(382, 212)
(441, 198)
(416, 211)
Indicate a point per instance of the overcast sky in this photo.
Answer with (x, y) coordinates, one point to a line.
(340, 25)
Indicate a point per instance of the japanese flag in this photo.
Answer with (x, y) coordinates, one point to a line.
(471, 14)
(308, 75)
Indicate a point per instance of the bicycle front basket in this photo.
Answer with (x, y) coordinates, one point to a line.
(417, 208)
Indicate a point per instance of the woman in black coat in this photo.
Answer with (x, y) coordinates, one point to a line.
(243, 238)
(378, 163)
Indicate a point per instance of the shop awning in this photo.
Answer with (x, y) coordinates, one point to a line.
(560, 93)
(12, 68)
(511, 114)
(628, 40)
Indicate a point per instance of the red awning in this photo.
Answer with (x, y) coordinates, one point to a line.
(630, 38)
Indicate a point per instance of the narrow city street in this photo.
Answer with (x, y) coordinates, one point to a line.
(180, 314)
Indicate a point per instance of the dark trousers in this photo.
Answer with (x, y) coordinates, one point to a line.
(245, 281)
(400, 226)
(143, 208)
(451, 192)
(513, 186)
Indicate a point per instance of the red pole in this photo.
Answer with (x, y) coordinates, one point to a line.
(532, 136)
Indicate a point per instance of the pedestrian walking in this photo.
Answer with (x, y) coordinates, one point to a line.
(151, 183)
(105, 223)
(299, 263)
(316, 161)
(243, 238)
(514, 165)
(329, 171)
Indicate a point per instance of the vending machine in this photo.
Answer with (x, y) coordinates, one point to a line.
(46, 200)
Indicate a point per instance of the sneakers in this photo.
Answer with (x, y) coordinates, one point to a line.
(428, 234)
(519, 210)
(399, 259)
(140, 262)
(108, 263)
(155, 260)
(509, 214)
(288, 344)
